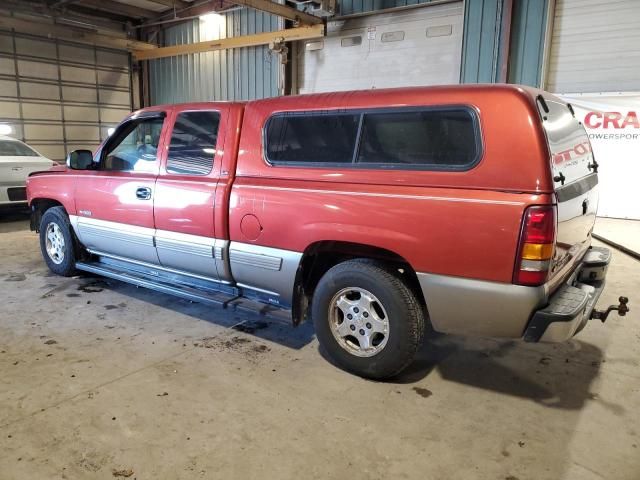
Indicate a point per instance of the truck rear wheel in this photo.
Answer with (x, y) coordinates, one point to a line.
(57, 243)
(367, 319)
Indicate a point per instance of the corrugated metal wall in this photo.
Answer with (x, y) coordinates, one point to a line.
(348, 7)
(238, 74)
(527, 41)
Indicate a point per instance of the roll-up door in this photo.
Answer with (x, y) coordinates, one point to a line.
(420, 46)
(60, 96)
(595, 47)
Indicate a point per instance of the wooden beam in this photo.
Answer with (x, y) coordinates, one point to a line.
(289, 35)
(74, 34)
(285, 11)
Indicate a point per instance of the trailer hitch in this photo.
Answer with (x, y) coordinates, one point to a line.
(621, 308)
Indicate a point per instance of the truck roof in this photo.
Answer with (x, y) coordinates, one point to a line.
(368, 95)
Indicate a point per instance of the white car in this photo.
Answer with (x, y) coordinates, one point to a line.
(17, 161)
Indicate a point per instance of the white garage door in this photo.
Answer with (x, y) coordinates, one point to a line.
(595, 47)
(420, 46)
(60, 96)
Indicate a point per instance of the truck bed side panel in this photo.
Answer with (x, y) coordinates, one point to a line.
(451, 232)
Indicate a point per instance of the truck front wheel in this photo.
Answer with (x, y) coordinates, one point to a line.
(367, 319)
(56, 242)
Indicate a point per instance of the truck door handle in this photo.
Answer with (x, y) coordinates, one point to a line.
(143, 193)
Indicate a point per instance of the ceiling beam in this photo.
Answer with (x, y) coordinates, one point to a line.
(74, 34)
(209, 6)
(288, 35)
(173, 3)
(84, 17)
(285, 11)
(122, 9)
(61, 3)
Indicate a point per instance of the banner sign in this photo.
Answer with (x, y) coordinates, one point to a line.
(612, 121)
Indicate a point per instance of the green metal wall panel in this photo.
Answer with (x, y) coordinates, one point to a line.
(481, 50)
(236, 74)
(527, 41)
(481, 40)
(349, 7)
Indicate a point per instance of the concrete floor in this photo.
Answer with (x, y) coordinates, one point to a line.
(625, 233)
(99, 378)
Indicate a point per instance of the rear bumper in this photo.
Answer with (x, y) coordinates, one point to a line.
(570, 307)
(465, 306)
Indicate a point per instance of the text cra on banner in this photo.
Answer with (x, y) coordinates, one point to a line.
(612, 121)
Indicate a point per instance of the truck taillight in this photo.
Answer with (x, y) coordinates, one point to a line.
(537, 242)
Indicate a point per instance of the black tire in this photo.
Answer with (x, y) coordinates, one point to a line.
(405, 318)
(67, 264)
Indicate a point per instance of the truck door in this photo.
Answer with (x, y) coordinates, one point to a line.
(114, 201)
(184, 205)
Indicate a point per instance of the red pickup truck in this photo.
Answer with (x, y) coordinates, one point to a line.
(372, 212)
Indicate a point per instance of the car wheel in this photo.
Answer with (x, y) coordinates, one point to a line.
(57, 242)
(367, 319)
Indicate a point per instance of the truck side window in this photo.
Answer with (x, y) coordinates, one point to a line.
(439, 139)
(418, 138)
(134, 148)
(193, 143)
(312, 138)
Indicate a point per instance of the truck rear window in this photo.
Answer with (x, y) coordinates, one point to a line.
(444, 138)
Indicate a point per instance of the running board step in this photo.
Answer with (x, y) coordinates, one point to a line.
(182, 286)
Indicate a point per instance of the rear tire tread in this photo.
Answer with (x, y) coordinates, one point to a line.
(412, 309)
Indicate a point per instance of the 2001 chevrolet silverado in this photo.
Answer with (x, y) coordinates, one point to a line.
(371, 212)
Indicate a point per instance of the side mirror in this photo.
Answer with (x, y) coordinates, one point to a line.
(80, 159)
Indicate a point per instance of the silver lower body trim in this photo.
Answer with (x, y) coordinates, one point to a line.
(127, 241)
(268, 270)
(476, 307)
(152, 266)
(190, 253)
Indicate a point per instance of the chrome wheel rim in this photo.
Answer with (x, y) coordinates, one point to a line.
(359, 322)
(54, 240)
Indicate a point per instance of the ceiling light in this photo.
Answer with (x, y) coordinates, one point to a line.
(211, 26)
